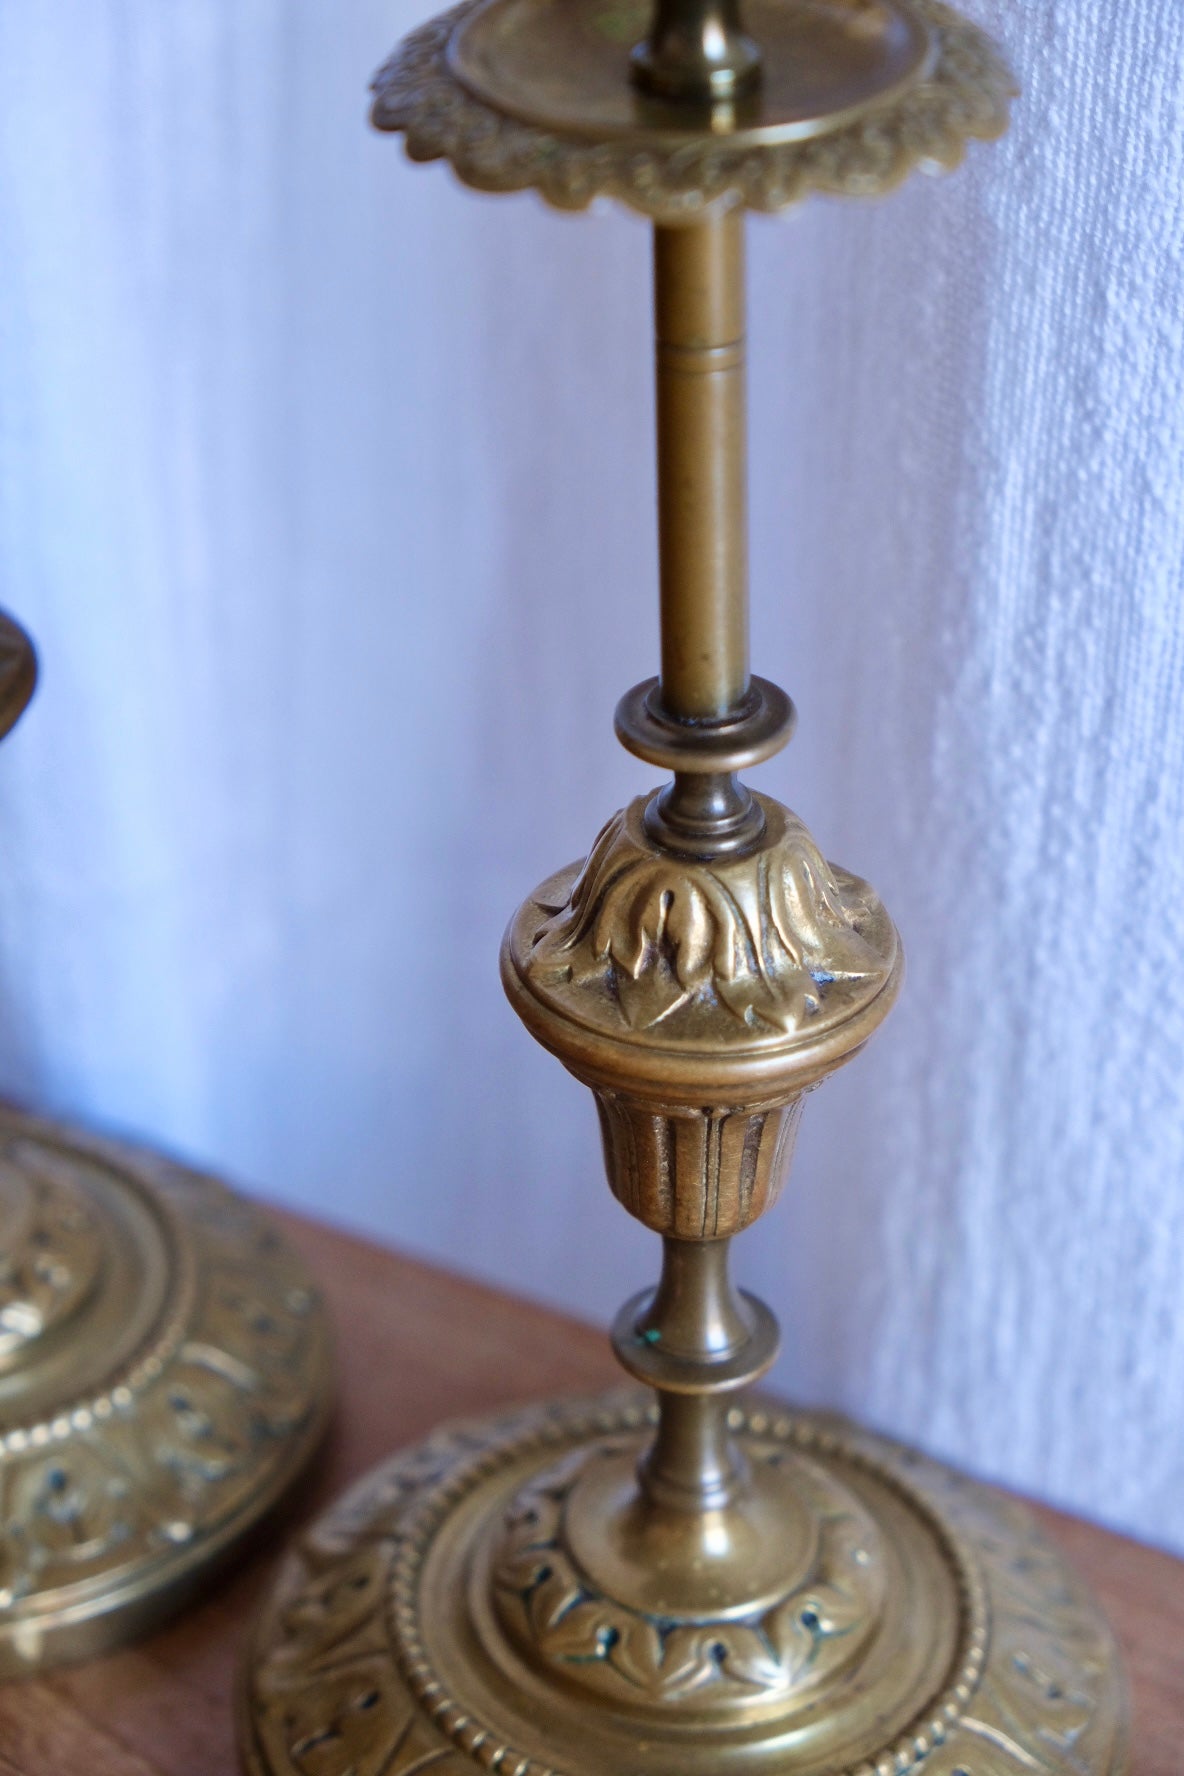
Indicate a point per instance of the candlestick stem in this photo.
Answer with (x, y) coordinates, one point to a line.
(702, 472)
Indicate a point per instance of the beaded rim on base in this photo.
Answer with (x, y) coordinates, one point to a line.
(165, 1375)
(680, 176)
(354, 1664)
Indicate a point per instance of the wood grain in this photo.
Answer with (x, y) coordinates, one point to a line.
(418, 1345)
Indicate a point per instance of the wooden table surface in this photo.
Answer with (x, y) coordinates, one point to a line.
(416, 1346)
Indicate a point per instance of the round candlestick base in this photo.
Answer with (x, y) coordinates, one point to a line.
(445, 1616)
(164, 1376)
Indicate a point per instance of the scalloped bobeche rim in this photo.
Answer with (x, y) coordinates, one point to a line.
(965, 97)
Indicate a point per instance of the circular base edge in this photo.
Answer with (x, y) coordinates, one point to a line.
(124, 1500)
(342, 1672)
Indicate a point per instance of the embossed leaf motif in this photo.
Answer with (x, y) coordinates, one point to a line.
(555, 1594)
(522, 1571)
(790, 1638)
(1047, 1702)
(665, 1660)
(763, 938)
(585, 1632)
(65, 1514)
(336, 1613)
(745, 1655)
(1036, 1708)
(356, 1721)
(51, 1254)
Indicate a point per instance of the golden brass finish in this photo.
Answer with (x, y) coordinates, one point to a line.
(688, 1587)
(930, 1629)
(164, 1370)
(854, 95)
(755, 730)
(697, 50)
(570, 65)
(706, 983)
(702, 466)
(164, 1376)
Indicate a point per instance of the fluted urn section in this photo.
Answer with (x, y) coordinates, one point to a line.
(696, 1174)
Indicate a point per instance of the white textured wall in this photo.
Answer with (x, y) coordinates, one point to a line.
(326, 489)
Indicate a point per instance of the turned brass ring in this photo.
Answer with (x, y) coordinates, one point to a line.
(763, 723)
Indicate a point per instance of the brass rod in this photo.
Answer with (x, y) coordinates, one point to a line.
(702, 469)
(694, 1306)
(693, 1464)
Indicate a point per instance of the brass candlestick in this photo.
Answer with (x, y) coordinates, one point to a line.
(164, 1370)
(688, 1587)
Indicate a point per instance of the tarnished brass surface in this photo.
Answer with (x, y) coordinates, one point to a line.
(688, 1588)
(438, 1619)
(749, 733)
(853, 96)
(164, 1370)
(164, 1375)
(567, 65)
(697, 50)
(742, 976)
(699, 328)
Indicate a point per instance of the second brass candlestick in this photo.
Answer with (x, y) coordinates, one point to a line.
(164, 1370)
(671, 1582)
